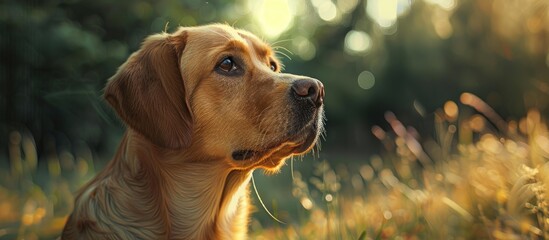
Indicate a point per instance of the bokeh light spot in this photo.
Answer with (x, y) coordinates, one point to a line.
(274, 16)
(387, 215)
(327, 11)
(366, 80)
(384, 12)
(306, 203)
(451, 109)
(477, 123)
(357, 42)
(304, 48)
(329, 197)
(367, 172)
(378, 132)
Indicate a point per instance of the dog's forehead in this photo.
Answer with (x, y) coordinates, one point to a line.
(260, 47)
(220, 35)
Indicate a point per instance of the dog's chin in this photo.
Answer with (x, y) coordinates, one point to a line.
(272, 158)
(308, 139)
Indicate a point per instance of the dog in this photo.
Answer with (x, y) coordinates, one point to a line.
(204, 106)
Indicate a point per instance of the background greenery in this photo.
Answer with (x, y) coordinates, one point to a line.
(408, 57)
(57, 55)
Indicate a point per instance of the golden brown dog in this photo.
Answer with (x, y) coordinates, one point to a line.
(204, 106)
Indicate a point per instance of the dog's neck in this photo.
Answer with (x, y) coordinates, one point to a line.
(206, 199)
(195, 199)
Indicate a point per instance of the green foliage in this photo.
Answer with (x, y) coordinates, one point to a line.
(57, 55)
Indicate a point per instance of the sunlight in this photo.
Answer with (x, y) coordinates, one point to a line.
(274, 16)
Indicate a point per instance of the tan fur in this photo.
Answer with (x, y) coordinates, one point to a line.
(173, 176)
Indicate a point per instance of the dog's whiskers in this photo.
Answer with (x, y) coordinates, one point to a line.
(273, 45)
(261, 125)
(283, 54)
(292, 168)
(283, 48)
(263, 204)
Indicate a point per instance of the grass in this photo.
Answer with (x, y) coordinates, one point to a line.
(478, 178)
(36, 198)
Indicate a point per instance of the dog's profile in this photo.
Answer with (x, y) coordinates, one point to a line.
(204, 106)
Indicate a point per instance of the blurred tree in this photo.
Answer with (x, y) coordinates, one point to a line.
(373, 56)
(57, 55)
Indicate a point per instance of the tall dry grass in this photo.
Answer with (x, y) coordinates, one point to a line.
(479, 177)
(37, 196)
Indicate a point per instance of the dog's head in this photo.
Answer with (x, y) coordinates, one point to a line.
(219, 92)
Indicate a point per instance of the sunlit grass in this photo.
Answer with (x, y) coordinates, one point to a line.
(477, 177)
(37, 196)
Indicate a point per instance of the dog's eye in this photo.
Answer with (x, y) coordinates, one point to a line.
(227, 65)
(273, 66)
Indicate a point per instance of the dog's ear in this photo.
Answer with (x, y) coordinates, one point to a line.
(148, 92)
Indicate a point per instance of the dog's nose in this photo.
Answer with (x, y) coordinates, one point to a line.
(309, 88)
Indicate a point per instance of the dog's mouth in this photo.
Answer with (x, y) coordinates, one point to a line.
(240, 155)
(299, 143)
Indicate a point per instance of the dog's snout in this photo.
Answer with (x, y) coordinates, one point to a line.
(309, 88)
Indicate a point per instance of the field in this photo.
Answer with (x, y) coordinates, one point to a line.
(479, 177)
